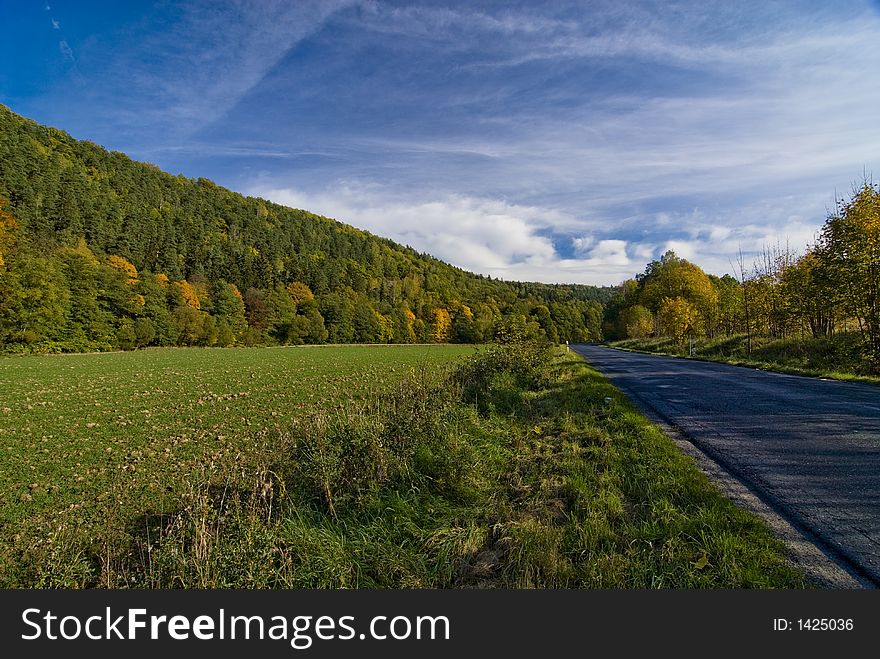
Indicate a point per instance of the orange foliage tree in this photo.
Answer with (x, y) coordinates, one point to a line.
(300, 293)
(125, 266)
(8, 226)
(188, 294)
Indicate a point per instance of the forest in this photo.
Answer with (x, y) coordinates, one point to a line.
(99, 252)
(829, 295)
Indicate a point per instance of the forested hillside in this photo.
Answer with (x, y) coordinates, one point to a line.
(98, 251)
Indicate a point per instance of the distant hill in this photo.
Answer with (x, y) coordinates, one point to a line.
(98, 251)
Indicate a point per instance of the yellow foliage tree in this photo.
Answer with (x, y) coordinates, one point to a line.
(202, 289)
(673, 277)
(457, 307)
(162, 280)
(850, 251)
(386, 328)
(442, 326)
(125, 266)
(235, 291)
(679, 318)
(638, 321)
(410, 326)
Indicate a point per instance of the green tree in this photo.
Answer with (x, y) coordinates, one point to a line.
(517, 328)
(463, 329)
(810, 293)
(33, 300)
(144, 332)
(673, 277)
(541, 313)
(850, 250)
(153, 289)
(283, 326)
(316, 332)
(126, 339)
(729, 316)
(338, 313)
(639, 322)
(368, 324)
(190, 325)
(228, 306)
(87, 322)
(225, 335)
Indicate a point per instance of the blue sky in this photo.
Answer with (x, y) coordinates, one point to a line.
(559, 142)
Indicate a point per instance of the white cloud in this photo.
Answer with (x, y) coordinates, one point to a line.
(746, 159)
(582, 244)
(487, 236)
(715, 248)
(609, 252)
(437, 23)
(508, 241)
(683, 248)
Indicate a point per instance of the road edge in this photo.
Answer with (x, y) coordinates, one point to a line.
(805, 550)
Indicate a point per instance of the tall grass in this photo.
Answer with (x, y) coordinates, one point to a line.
(514, 472)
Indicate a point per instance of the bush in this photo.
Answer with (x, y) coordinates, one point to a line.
(526, 363)
(347, 457)
(144, 332)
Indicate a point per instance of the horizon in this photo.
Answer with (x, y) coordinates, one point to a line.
(549, 143)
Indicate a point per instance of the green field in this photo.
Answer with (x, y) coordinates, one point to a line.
(347, 467)
(84, 438)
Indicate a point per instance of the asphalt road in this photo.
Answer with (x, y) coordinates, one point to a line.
(808, 447)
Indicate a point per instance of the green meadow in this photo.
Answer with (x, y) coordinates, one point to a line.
(84, 438)
(354, 467)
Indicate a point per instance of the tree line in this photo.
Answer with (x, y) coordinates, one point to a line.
(101, 252)
(833, 287)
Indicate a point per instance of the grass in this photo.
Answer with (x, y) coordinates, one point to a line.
(513, 471)
(90, 443)
(839, 358)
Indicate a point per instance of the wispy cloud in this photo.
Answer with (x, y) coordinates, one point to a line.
(437, 22)
(562, 141)
(66, 51)
(212, 54)
(214, 150)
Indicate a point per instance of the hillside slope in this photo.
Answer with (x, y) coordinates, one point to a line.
(99, 251)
